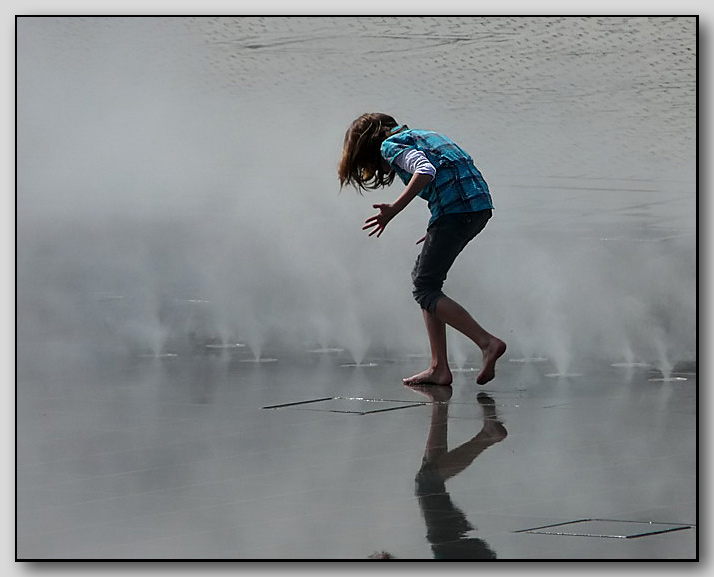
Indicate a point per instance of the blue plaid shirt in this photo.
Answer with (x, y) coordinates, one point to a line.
(458, 185)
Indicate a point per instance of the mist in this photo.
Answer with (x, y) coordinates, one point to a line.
(176, 185)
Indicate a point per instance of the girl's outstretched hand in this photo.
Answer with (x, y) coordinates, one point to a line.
(379, 222)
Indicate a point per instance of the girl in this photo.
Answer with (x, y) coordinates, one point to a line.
(433, 167)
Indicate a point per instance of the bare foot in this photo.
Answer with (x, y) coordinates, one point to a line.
(491, 354)
(493, 432)
(435, 393)
(493, 428)
(431, 376)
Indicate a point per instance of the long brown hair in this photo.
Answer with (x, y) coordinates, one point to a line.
(362, 165)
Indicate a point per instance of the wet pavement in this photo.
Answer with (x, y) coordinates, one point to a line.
(203, 456)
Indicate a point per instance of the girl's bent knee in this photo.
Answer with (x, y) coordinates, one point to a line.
(427, 298)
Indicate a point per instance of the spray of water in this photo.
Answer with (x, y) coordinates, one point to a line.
(177, 189)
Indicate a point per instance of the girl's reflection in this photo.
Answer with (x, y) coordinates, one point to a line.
(447, 526)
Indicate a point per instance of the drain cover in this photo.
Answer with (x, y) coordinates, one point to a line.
(606, 528)
(356, 406)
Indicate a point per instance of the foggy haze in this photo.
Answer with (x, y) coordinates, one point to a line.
(176, 184)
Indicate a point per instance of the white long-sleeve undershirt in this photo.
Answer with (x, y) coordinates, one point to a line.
(415, 162)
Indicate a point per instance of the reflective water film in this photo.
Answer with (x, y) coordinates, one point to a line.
(205, 457)
(190, 280)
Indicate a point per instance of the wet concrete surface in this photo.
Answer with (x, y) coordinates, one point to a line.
(178, 458)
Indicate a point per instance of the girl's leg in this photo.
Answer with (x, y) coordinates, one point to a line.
(452, 313)
(438, 372)
(436, 442)
(443, 243)
(453, 462)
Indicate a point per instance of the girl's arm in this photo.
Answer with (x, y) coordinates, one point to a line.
(416, 162)
(416, 185)
(387, 212)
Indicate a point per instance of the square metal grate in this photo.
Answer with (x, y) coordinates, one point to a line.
(608, 528)
(357, 406)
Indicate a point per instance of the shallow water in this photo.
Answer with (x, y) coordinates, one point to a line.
(205, 457)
